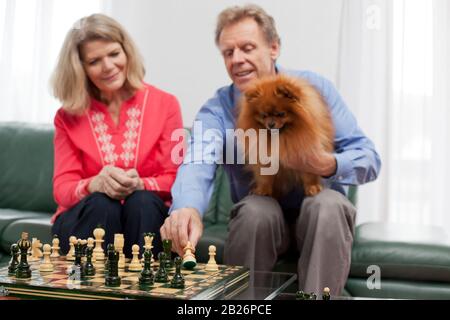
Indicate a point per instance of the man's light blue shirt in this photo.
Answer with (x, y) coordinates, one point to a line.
(356, 157)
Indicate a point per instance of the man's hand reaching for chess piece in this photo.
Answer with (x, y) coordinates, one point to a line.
(181, 226)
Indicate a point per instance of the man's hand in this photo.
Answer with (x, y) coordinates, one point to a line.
(115, 182)
(181, 226)
(322, 163)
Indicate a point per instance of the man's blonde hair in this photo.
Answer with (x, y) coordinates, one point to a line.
(69, 80)
(236, 14)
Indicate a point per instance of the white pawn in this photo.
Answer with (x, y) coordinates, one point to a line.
(55, 248)
(46, 265)
(99, 254)
(135, 264)
(212, 264)
(71, 254)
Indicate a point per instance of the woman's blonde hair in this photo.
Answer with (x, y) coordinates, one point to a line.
(236, 14)
(69, 81)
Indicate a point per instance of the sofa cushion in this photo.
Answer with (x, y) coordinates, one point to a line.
(399, 289)
(27, 167)
(36, 227)
(417, 253)
(8, 216)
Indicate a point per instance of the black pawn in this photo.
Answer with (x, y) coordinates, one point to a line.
(161, 274)
(112, 279)
(167, 246)
(12, 268)
(146, 278)
(23, 269)
(88, 267)
(178, 279)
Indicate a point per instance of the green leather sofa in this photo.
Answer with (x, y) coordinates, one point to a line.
(414, 262)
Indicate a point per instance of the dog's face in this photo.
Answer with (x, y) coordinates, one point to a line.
(274, 104)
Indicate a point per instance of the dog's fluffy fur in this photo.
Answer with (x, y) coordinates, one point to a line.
(298, 111)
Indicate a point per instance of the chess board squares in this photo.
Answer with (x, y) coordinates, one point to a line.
(54, 276)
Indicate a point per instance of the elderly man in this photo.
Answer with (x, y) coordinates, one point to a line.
(261, 228)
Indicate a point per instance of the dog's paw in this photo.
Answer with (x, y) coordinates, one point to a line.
(312, 190)
(261, 191)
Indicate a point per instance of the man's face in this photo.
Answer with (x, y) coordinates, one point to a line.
(246, 53)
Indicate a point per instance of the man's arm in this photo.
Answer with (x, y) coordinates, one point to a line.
(193, 185)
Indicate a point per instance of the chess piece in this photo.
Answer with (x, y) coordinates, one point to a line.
(326, 294)
(90, 244)
(135, 264)
(99, 233)
(167, 246)
(55, 247)
(118, 244)
(212, 264)
(79, 247)
(112, 278)
(189, 261)
(46, 265)
(36, 252)
(148, 243)
(88, 269)
(161, 274)
(71, 254)
(12, 268)
(146, 278)
(178, 279)
(23, 269)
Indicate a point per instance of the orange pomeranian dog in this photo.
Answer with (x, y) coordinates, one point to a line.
(298, 111)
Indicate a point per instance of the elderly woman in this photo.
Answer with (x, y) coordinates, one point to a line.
(112, 140)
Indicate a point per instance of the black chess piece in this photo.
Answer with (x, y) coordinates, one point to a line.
(167, 246)
(23, 269)
(178, 279)
(109, 248)
(12, 268)
(112, 279)
(88, 267)
(161, 274)
(78, 254)
(146, 278)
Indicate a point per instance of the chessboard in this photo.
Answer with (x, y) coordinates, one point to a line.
(60, 284)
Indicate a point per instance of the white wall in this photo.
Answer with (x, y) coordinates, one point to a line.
(176, 39)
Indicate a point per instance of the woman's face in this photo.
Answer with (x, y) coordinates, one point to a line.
(105, 63)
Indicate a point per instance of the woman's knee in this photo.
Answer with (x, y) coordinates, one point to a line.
(99, 204)
(144, 205)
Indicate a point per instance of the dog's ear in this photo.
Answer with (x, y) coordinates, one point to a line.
(286, 90)
(252, 94)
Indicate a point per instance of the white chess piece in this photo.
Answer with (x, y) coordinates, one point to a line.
(118, 245)
(99, 233)
(55, 248)
(36, 252)
(212, 264)
(46, 265)
(71, 254)
(148, 245)
(135, 264)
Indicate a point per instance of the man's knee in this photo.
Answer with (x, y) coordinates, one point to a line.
(257, 211)
(329, 207)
